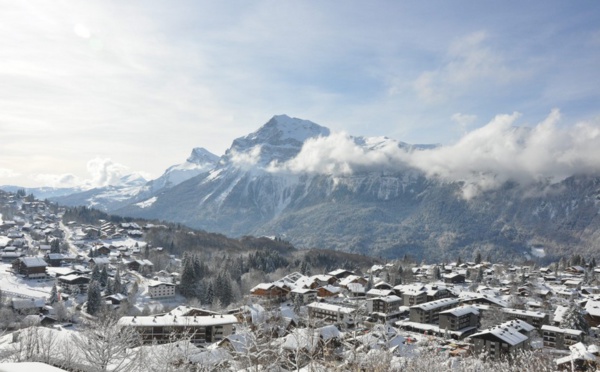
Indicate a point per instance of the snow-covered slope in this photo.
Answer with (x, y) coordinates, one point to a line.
(200, 161)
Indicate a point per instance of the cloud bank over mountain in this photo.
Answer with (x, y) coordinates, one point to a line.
(482, 159)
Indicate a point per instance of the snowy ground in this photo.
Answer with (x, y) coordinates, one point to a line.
(10, 284)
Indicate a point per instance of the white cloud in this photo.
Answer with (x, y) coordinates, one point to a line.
(245, 160)
(483, 159)
(105, 172)
(468, 62)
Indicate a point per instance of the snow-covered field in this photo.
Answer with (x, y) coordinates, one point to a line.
(11, 284)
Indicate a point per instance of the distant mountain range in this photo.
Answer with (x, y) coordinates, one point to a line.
(275, 182)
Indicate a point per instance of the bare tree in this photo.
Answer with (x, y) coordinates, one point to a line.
(107, 346)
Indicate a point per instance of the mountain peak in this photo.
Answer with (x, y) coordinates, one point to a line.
(280, 139)
(200, 155)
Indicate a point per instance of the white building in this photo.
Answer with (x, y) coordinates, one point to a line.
(158, 289)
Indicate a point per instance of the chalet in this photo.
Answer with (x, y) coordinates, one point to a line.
(158, 289)
(115, 299)
(374, 292)
(103, 250)
(30, 267)
(331, 313)
(561, 338)
(101, 262)
(352, 279)
(11, 256)
(328, 291)
(161, 329)
(501, 340)
(454, 278)
(323, 280)
(340, 273)
(356, 290)
(270, 291)
(140, 265)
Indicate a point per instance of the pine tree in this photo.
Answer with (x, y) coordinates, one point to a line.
(103, 280)
(110, 287)
(96, 273)
(94, 299)
(53, 295)
(437, 275)
(479, 277)
(55, 246)
(210, 294)
(117, 285)
(477, 257)
(188, 278)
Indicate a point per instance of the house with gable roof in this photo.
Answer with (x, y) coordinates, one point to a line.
(30, 267)
(501, 340)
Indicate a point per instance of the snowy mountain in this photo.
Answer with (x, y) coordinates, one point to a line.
(200, 161)
(295, 179)
(133, 188)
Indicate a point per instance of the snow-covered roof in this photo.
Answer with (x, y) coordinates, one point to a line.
(331, 307)
(593, 307)
(461, 310)
(34, 262)
(379, 292)
(156, 283)
(532, 314)
(174, 320)
(505, 333)
(427, 306)
(550, 328)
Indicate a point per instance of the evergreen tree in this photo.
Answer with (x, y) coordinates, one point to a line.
(117, 286)
(458, 261)
(210, 294)
(53, 295)
(96, 273)
(188, 278)
(94, 298)
(479, 277)
(55, 246)
(110, 287)
(437, 275)
(573, 318)
(103, 280)
(477, 257)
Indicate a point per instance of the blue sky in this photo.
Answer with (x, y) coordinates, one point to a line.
(112, 86)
